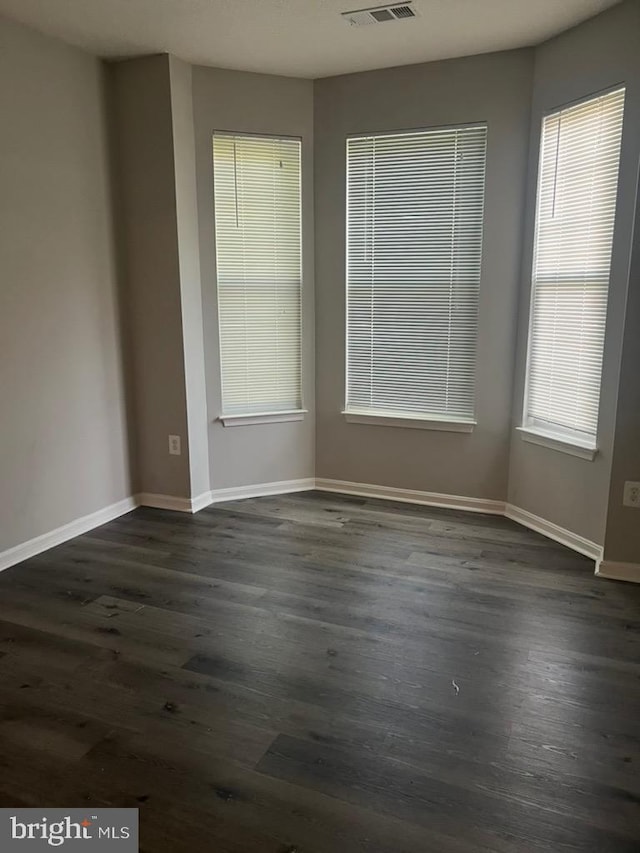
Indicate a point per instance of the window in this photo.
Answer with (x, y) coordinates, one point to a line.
(576, 205)
(414, 243)
(258, 247)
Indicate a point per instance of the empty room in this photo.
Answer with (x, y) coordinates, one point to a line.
(320, 426)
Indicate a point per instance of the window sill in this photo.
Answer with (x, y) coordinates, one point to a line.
(409, 422)
(263, 418)
(563, 445)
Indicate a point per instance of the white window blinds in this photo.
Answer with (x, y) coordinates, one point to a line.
(414, 244)
(576, 205)
(258, 248)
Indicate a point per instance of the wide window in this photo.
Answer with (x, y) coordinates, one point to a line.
(575, 215)
(414, 245)
(258, 248)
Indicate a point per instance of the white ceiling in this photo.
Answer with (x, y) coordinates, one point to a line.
(302, 38)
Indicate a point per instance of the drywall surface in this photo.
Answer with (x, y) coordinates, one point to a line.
(143, 133)
(622, 541)
(599, 54)
(258, 104)
(495, 89)
(189, 264)
(63, 436)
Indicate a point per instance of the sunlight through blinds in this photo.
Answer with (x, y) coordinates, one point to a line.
(258, 249)
(414, 246)
(575, 216)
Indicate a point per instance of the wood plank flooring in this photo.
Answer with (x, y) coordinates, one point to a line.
(321, 674)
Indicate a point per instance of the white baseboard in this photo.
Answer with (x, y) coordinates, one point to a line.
(554, 531)
(390, 493)
(259, 490)
(605, 568)
(62, 534)
(618, 571)
(485, 505)
(200, 502)
(173, 502)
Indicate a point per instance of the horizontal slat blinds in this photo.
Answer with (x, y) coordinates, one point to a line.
(576, 205)
(258, 248)
(414, 245)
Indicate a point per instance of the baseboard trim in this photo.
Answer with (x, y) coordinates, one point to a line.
(390, 493)
(616, 571)
(554, 531)
(44, 542)
(604, 568)
(200, 502)
(484, 505)
(260, 490)
(173, 502)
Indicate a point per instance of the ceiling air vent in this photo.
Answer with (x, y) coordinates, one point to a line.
(380, 14)
(403, 12)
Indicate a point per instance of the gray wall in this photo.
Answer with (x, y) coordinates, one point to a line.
(143, 132)
(622, 540)
(63, 445)
(63, 438)
(493, 88)
(254, 103)
(600, 53)
(190, 283)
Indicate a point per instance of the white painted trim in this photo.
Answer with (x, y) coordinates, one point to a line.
(232, 493)
(613, 570)
(604, 568)
(173, 502)
(554, 531)
(407, 421)
(390, 493)
(35, 546)
(564, 445)
(263, 418)
(164, 502)
(527, 519)
(281, 487)
(200, 502)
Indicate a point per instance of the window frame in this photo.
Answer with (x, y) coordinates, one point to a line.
(426, 421)
(535, 430)
(285, 414)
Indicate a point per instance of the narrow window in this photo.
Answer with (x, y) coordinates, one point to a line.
(258, 248)
(575, 216)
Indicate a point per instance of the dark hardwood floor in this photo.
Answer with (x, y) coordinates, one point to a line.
(322, 674)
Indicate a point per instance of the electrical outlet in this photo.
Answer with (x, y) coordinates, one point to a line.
(174, 445)
(631, 494)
